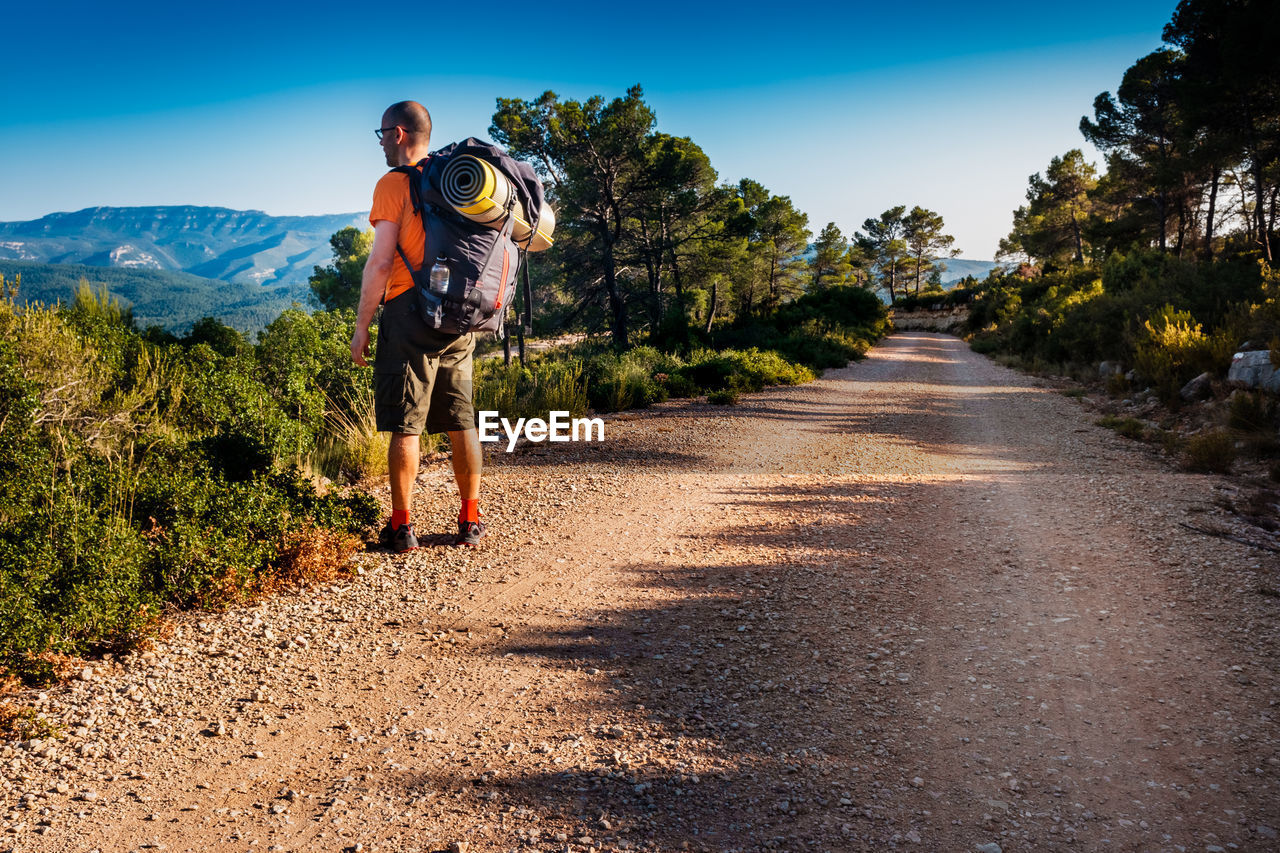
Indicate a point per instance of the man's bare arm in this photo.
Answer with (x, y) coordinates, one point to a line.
(373, 284)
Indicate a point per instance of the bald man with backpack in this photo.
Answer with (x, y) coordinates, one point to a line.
(422, 375)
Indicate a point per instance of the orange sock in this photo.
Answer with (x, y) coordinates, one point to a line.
(470, 511)
(399, 517)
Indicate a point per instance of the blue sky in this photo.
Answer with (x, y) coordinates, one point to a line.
(847, 108)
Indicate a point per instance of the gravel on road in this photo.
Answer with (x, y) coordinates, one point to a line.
(921, 603)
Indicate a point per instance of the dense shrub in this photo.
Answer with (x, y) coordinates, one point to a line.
(724, 397)
(516, 391)
(136, 476)
(743, 370)
(616, 382)
(934, 299)
(1172, 318)
(1212, 452)
(1171, 350)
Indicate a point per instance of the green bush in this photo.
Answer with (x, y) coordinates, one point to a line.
(678, 385)
(1252, 412)
(1081, 315)
(744, 370)
(1254, 417)
(137, 476)
(618, 382)
(724, 397)
(1128, 427)
(1212, 452)
(1171, 351)
(546, 385)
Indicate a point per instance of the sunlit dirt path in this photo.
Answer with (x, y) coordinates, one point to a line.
(920, 603)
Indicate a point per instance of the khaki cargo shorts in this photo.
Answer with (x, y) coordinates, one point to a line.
(422, 378)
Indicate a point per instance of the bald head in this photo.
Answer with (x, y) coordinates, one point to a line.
(413, 117)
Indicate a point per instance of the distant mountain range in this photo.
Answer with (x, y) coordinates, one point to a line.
(246, 246)
(266, 259)
(958, 268)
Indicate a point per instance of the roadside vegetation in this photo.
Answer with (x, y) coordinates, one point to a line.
(141, 473)
(1163, 265)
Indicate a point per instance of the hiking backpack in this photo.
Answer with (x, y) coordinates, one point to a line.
(483, 261)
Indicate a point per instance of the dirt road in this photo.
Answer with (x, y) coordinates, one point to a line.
(922, 603)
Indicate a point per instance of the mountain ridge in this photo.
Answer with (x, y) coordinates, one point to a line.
(239, 246)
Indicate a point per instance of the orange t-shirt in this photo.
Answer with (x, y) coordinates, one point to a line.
(391, 202)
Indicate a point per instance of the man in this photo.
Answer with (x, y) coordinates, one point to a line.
(421, 377)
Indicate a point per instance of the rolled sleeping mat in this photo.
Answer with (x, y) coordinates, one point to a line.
(482, 194)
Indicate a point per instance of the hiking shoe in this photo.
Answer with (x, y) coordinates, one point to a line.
(469, 533)
(400, 539)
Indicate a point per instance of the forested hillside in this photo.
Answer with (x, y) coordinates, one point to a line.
(172, 300)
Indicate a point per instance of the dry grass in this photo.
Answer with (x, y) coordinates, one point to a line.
(312, 555)
(18, 722)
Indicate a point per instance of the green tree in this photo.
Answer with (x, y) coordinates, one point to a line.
(831, 262)
(1233, 91)
(595, 155)
(720, 260)
(882, 241)
(222, 338)
(1143, 130)
(338, 285)
(860, 265)
(671, 215)
(777, 238)
(305, 359)
(1050, 228)
(926, 244)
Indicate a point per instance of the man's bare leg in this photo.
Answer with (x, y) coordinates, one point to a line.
(467, 460)
(402, 463)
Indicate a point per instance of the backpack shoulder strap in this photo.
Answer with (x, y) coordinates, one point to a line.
(415, 174)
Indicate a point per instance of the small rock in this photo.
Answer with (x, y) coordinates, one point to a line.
(913, 837)
(987, 848)
(917, 782)
(458, 847)
(86, 674)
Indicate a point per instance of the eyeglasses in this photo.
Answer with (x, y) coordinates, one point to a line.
(378, 133)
